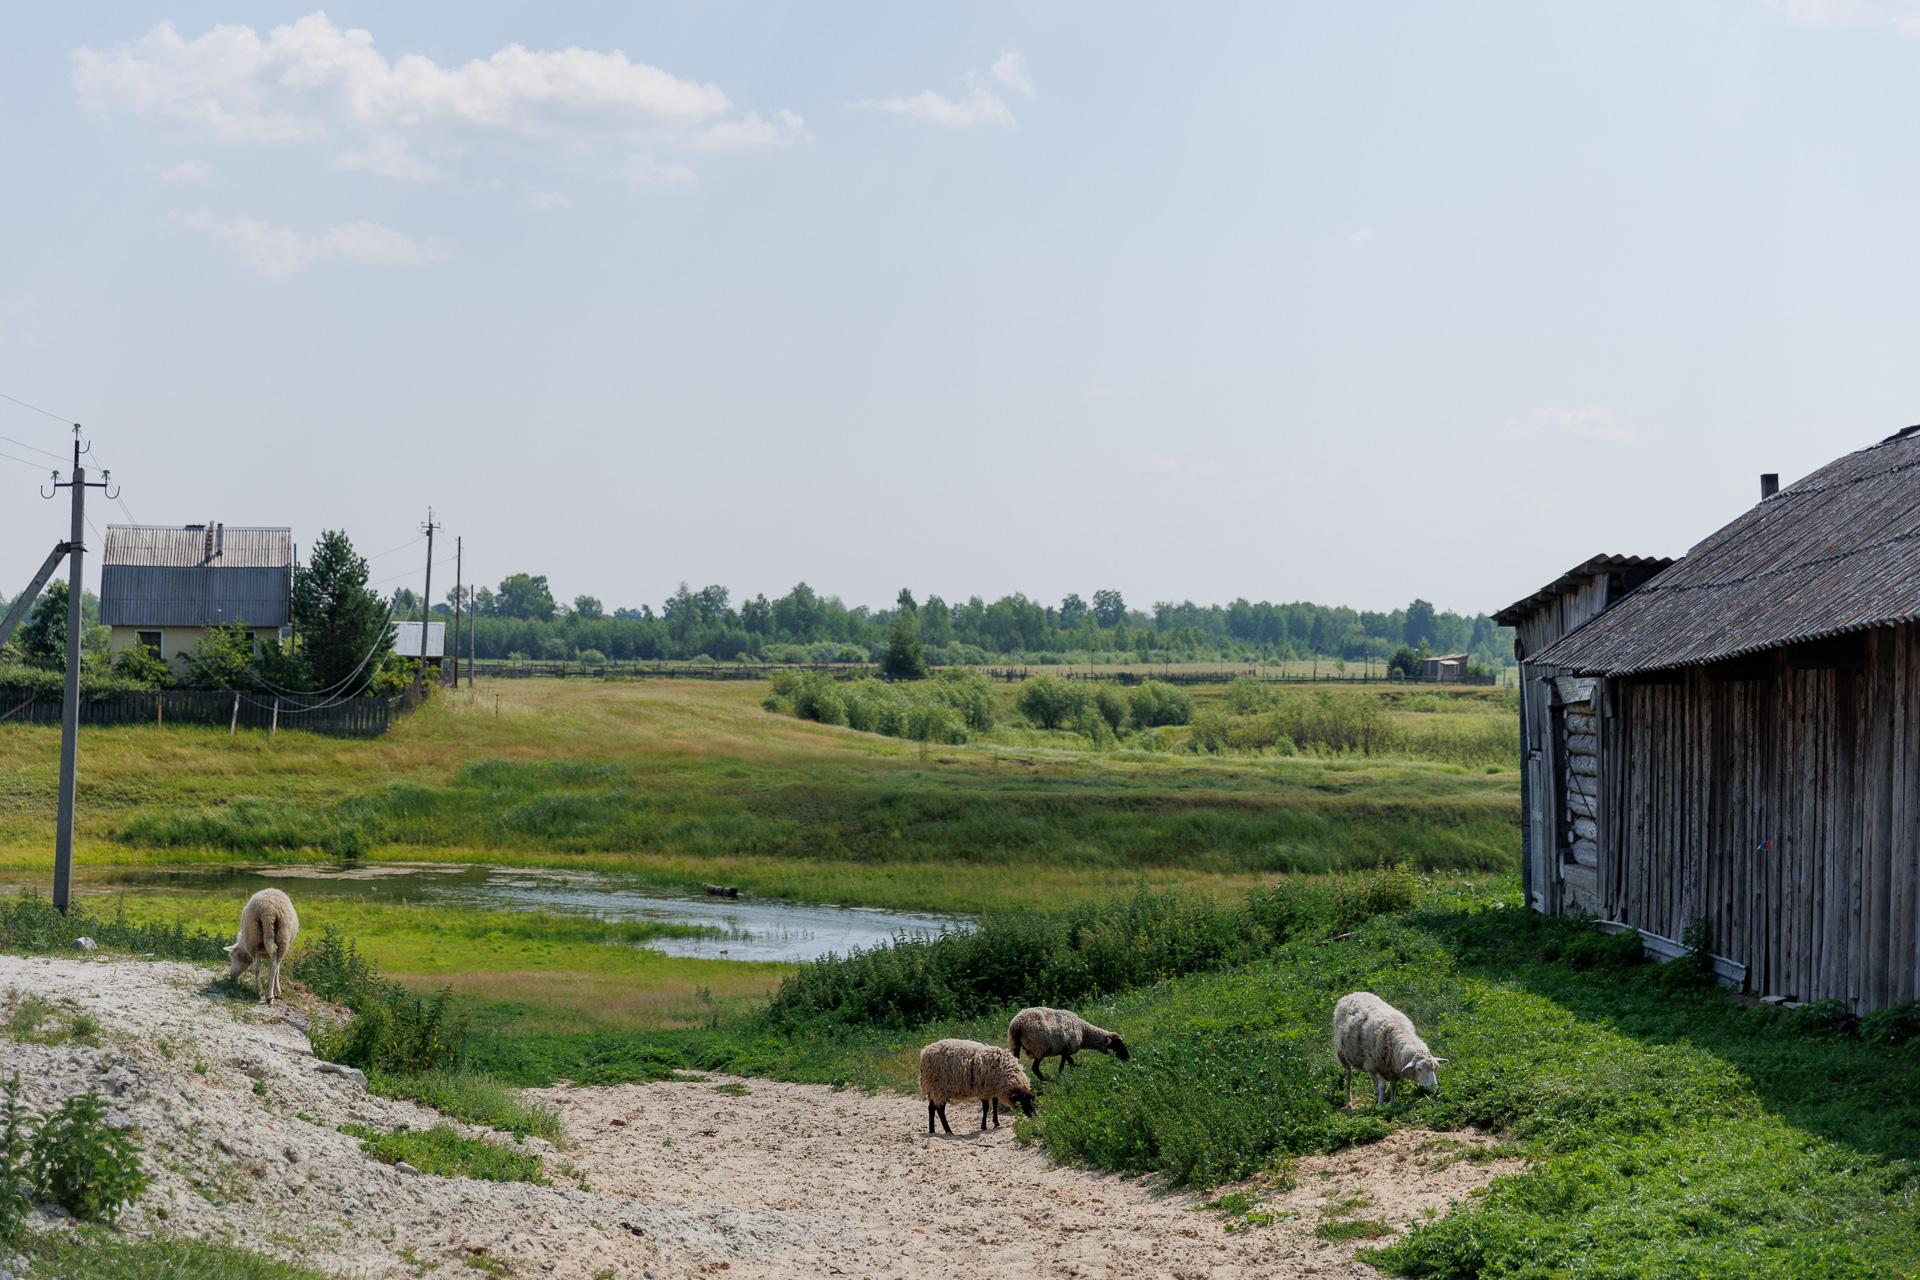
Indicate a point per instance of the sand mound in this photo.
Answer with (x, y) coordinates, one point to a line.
(242, 1140)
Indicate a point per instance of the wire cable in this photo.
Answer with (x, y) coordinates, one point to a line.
(65, 421)
(57, 457)
(332, 700)
(38, 466)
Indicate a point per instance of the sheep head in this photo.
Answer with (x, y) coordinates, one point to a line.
(1023, 1099)
(1117, 1047)
(1423, 1071)
(237, 960)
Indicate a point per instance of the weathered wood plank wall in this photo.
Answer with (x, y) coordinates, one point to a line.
(1778, 799)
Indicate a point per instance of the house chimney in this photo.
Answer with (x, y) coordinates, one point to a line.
(1769, 484)
(219, 540)
(207, 553)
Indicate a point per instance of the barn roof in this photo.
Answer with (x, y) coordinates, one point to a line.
(1572, 578)
(1839, 551)
(195, 576)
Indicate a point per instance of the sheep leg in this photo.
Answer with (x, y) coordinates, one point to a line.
(983, 1115)
(259, 977)
(1036, 1067)
(943, 1120)
(1066, 1060)
(1349, 1087)
(1379, 1091)
(273, 987)
(930, 1114)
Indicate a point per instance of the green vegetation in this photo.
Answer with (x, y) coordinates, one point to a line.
(71, 1157)
(442, 1151)
(522, 620)
(89, 1253)
(38, 1020)
(473, 1098)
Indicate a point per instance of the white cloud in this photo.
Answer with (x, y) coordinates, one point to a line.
(186, 171)
(390, 157)
(1010, 69)
(1902, 14)
(1582, 422)
(281, 251)
(644, 170)
(1359, 237)
(314, 80)
(753, 132)
(547, 200)
(981, 106)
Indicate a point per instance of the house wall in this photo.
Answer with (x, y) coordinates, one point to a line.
(1544, 816)
(175, 643)
(1778, 799)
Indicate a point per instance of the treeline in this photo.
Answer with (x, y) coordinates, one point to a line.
(521, 619)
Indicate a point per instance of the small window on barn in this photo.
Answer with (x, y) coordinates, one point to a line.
(148, 640)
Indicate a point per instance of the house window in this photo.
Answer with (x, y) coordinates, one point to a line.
(148, 640)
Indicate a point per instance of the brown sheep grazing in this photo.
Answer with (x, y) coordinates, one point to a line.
(955, 1069)
(1042, 1033)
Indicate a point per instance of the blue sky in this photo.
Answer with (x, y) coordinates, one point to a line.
(1337, 302)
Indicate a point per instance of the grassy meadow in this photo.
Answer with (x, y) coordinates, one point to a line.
(1211, 906)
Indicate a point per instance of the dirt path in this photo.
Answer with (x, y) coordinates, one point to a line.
(241, 1130)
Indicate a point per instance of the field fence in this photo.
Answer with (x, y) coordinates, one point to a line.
(351, 717)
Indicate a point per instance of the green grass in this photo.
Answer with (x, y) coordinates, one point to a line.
(90, 1253)
(681, 782)
(471, 1097)
(444, 1152)
(37, 1020)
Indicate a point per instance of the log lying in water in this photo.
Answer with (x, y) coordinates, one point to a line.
(722, 890)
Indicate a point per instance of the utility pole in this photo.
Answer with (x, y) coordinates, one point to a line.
(70, 702)
(426, 609)
(456, 611)
(473, 631)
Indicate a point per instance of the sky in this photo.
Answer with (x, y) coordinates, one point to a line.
(1347, 303)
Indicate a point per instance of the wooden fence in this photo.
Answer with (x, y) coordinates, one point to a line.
(1265, 675)
(352, 717)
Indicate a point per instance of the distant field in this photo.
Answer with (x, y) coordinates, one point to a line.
(684, 781)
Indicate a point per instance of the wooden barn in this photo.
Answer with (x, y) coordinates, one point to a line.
(1734, 737)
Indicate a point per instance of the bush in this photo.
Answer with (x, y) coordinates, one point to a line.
(1896, 1025)
(84, 1164)
(591, 658)
(15, 1176)
(142, 666)
(392, 1030)
(1155, 703)
(1112, 707)
(1049, 702)
(29, 924)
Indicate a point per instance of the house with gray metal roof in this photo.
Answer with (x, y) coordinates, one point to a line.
(163, 587)
(1726, 748)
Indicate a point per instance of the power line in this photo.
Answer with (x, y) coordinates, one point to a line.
(57, 417)
(58, 457)
(38, 466)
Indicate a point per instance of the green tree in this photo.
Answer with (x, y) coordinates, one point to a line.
(904, 659)
(1109, 609)
(525, 595)
(344, 626)
(904, 601)
(1048, 702)
(1421, 625)
(588, 607)
(43, 637)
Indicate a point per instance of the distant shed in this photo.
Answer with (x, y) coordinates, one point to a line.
(1736, 740)
(1444, 668)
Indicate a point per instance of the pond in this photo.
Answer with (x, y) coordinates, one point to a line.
(745, 928)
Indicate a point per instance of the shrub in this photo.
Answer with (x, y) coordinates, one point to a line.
(1896, 1025)
(1111, 705)
(392, 1029)
(1155, 703)
(1048, 702)
(84, 1164)
(590, 658)
(15, 1176)
(142, 666)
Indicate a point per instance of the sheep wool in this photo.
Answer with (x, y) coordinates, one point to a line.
(1371, 1035)
(268, 926)
(1043, 1033)
(963, 1069)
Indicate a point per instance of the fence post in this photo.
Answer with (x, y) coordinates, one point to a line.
(275, 727)
(233, 725)
(160, 710)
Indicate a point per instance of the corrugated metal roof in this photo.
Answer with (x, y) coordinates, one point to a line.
(189, 546)
(1837, 552)
(137, 596)
(1572, 578)
(406, 639)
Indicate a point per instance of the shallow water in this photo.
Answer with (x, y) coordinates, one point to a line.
(745, 928)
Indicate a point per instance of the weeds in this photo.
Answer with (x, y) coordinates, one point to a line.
(84, 1164)
(444, 1152)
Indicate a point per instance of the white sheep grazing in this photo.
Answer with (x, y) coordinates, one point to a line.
(268, 926)
(1371, 1035)
(951, 1069)
(1042, 1033)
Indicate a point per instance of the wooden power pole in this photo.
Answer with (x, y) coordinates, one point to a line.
(456, 611)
